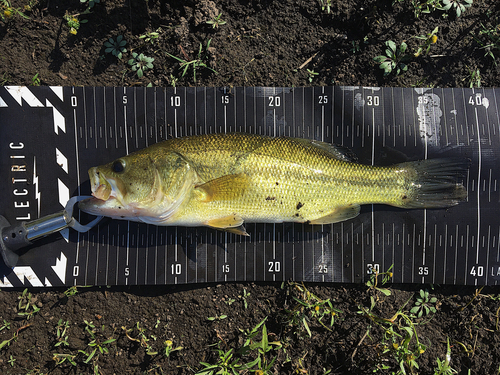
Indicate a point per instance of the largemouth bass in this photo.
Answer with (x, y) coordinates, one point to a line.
(224, 180)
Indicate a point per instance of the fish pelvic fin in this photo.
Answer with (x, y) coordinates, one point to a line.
(223, 188)
(339, 214)
(434, 183)
(231, 223)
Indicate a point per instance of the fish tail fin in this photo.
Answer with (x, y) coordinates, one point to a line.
(434, 183)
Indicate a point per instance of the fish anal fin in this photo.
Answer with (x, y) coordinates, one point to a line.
(223, 188)
(238, 230)
(339, 214)
(231, 223)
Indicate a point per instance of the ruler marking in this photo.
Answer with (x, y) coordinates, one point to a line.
(105, 116)
(373, 163)
(478, 186)
(413, 255)
(403, 253)
(115, 118)
(95, 116)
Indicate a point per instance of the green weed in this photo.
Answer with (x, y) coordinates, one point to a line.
(62, 333)
(26, 306)
(244, 297)
(74, 22)
(310, 307)
(169, 348)
(138, 334)
(425, 6)
(394, 59)
(216, 317)
(443, 367)
(459, 6)
(140, 63)
(326, 5)
(373, 282)
(116, 47)
(195, 64)
(216, 21)
(151, 37)
(425, 305)
(98, 345)
(429, 40)
(90, 3)
(7, 12)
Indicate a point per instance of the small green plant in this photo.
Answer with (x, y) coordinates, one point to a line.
(194, 64)
(492, 43)
(372, 283)
(458, 5)
(425, 6)
(394, 60)
(475, 78)
(98, 343)
(310, 307)
(116, 47)
(71, 291)
(35, 81)
(138, 334)
(216, 21)
(60, 358)
(7, 12)
(326, 5)
(73, 22)
(443, 367)
(244, 297)
(91, 3)
(311, 74)
(230, 301)
(151, 37)
(425, 305)
(225, 364)
(216, 317)
(140, 63)
(169, 348)
(400, 339)
(429, 40)
(5, 325)
(264, 365)
(7, 342)
(62, 333)
(11, 361)
(26, 307)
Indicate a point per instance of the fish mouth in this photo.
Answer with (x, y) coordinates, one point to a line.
(99, 184)
(106, 196)
(104, 187)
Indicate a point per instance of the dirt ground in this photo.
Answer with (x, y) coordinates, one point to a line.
(312, 329)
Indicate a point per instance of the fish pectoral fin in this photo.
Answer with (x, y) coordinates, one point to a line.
(223, 188)
(339, 214)
(231, 223)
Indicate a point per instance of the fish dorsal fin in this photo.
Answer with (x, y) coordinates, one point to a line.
(231, 223)
(339, 214)
(223, 188)
(335, 151)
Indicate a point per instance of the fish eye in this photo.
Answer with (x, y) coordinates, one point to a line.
(118, 166)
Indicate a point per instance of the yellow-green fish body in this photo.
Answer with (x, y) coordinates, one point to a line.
(223, 180)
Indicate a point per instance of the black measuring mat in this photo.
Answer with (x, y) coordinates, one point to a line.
(50, 136)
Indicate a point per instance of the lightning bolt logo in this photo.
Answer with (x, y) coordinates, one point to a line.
(35, 182)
